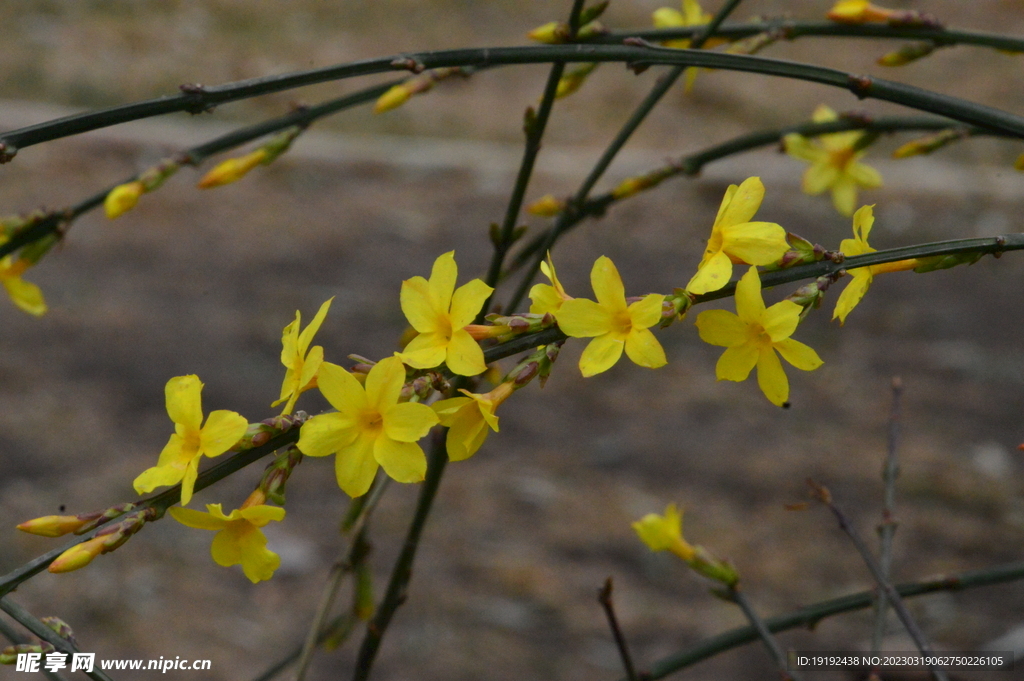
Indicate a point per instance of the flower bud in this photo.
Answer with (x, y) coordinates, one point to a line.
(552, 33)
(232, 170)
(907, 54)
(123, 198)
(53, 525)
(392, 99)
(928, 144)
(547, 206)
(79, 555)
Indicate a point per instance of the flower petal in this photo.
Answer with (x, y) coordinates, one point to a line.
(644, 349)
(755, 243)
(465, 357)
(258, 562)
(184, 401)
(466, 435)
(418, 306)
(771, 378)
(341, 389)
(443, 275)
(545, 299)
(262, 514)
(158, 476)
(736, 362)
(863, 220)
(582, 318)
(607, 284)
(402, 461)
(355, 466)
(781, 319)
(721, 327)
(384, 383)
(222, 431)
(801, 356)
(749, 303)
(307, 334)
(744, 203)
(712, 275)
(823, 114)
(802, 148)
(853, 293)
(408, 421)
(426, 350)
(645, 313)
(196, 519)
(26, 295)
(601, 354)
(819, 177)
(188, 480)
(448, 410)
(864, 175)
(844, 195)
(327, 433)
(467, 301)
(225, 549)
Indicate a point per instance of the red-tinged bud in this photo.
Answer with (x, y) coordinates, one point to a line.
(78, 556)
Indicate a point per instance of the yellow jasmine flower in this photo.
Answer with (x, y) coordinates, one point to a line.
(692, 15)
(858, 12)
(468, 419)
(232, 170)
(752, 337)
(179, 460)
(548, 298)
(665, 533)
(123, 198)
(370, 429)
(613, 325)
(26, 295)
(302, 362)
(735, 239)
(441, 313)
(835, 163)
(861, 277)
(239, 538)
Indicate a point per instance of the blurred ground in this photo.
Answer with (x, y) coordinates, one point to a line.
(524, 533)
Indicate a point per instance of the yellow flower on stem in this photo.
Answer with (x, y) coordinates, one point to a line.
(546, 206)
(665, 533)
(835, 163)
(441, 313)
(692, 15)
(752, 337)
(861, 277)
(239, 539)
(26, 295)
(232, 169)
(548, 298)
(53, 525)
(370, 429)
(735, 239)
(612, 324)
(858, 12)
(302, 362)
(468, 419)
(123, 198)
(179, 460)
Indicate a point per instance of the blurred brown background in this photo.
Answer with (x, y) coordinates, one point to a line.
(524, 533)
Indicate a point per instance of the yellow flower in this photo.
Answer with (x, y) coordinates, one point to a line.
(735, 239)
(753, 335)
(239, 538)
(25, 295)
(858, 12)
(79, 555)
(370, 429)
(53, 525)
(861, 277)
(232, 170)
(548, 298)
(612, 324)
(440, 313)
(301, 365)
(692, 15)
(392, 99)
(835, 163)
(468, 419)
(665, 533)
(179, 460)
(123, 198)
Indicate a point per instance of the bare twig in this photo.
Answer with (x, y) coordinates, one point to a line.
(887, 528)
(45, 633)
(737, 596)
(604, 597)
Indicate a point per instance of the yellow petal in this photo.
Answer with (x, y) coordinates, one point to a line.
(801, 356)
(408, 421)
(222, 431)
(864, 175)
(307, 334)
(726, 200)
(863, 220)
(261, 514)
(582, 318)
(426, 351)
(844, 195)
(666, 17)
(853, 293)
(745, 202)
(607, 284)
(819, 177)
(749, 303)
(755, 243)
(392, 99)
(442, 280)
(184, 402)
(771, 378)
(646, 312)
(341, 389)
(802, 148)
(660, 533)
(290, 342)
(384, 383)
(122, 198)
(232, 169)
(736, 362)
(600, 355)
(25, 295)
(694, 14)
(197, 519)
(225, 548)
(258, 562)
(781, 319)
(157, 476)
(721, 327)
(712, 275)
(644, 349)
(545, 299)
(188, 480)
(465, 357)
(467, 301)
(467, 434)
(418, 306)
(824, 114)
(402, 461)
(355, 466)
(327, 433)
(448, 410)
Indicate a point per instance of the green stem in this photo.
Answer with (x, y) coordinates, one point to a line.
(808, 617)
(15, 638)
(740, 599)
(45, 633)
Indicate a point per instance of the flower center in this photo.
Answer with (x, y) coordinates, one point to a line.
(371, 421)
(622, 323)
(842, 157)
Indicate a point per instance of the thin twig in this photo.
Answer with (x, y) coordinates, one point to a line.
(14, 637)
(887, 528)
(739, 598)
(45, 633)
(604, 597)
(342, 568)
(823, 495)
